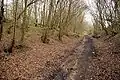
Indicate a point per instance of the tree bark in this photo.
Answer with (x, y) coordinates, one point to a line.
(24, 25)
(1, 18)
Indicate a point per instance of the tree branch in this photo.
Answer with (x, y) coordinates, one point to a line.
(33, 1)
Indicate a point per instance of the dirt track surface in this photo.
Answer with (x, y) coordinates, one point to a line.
(75, 65)
(86, 59)
(56, 61)
(49, 62)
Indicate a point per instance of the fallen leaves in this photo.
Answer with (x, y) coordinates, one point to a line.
(106, 65)
(36, 60)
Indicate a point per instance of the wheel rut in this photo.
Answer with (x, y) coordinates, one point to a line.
(74, 66)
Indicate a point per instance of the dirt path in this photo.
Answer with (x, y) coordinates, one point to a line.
(75, 65)
(55, 61)
(83, 58)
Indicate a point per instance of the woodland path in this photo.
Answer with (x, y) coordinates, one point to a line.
(75, 65)
(49, 62)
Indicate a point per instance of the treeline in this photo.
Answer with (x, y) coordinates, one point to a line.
(106, 14)
(48, 15)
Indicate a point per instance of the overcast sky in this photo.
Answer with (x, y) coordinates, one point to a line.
(8, 1)
(88, 16)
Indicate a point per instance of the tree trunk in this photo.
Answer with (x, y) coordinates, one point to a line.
(24, 25)
(6, 9)
(103, 28)
(1, 18)
(36, 20)
(60, 35)
(10, 50)
(48, 23)
(60, 22)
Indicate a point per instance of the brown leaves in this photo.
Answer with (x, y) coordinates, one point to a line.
(106, 66)
(39, 59)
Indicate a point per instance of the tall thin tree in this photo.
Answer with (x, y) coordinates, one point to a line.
(1, 18)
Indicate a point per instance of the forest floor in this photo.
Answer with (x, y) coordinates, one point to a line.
(73, 59)
(34, 60)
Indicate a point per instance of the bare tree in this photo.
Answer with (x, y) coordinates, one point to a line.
(107, 15)
(1, 18)
(36, 20)
(24, 24)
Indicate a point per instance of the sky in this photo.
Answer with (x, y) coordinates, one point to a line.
(88, 16)
(8, 1)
